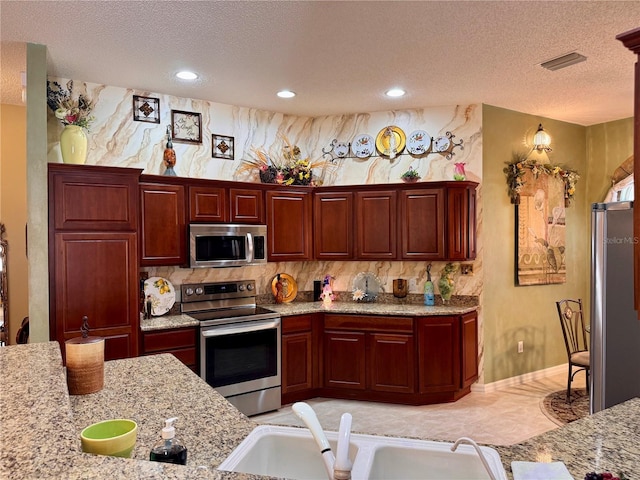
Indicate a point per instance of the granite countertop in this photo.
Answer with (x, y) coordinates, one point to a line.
(407, 309)
(42, 423)
(169, 321)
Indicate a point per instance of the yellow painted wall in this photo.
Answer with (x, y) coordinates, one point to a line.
(13, 208)
(608, 145)
(513, 313)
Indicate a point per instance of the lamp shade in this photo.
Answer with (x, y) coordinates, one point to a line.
(542, 140)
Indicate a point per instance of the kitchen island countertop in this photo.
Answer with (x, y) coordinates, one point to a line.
(41, 423)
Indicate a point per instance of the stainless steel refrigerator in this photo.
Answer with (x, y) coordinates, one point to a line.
(614, 324)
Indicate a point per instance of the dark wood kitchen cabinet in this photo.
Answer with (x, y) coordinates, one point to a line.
(461, 221)
(247, 206)
(422, 224)
(376, 224)
(448, 353)
(93, 255)
(631, 40)
(299, 357)
(333, 225)
(207, 204)
(180, 342)
(162, 224)
(368, 354)
(289, 224)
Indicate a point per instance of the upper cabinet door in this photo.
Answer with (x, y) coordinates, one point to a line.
(163, 228)
(461, 223)
(422, 224)
(207, 204)
(333, 225)
(93, 198)
(289, 224)
(247, 206)
(376, 213)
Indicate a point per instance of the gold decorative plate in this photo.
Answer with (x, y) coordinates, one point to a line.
(289, 287)
(384, 140)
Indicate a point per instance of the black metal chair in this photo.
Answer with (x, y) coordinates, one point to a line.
(575, 339)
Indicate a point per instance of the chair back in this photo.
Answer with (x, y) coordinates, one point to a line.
(573, 325)
(22, 336)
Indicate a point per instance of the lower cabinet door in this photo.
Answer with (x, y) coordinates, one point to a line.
(297, 362)
(439, 354)
(392, 363)
(344, 355)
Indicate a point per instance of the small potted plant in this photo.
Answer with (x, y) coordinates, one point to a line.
(410, 176)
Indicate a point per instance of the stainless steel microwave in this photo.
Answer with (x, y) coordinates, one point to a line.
(225, 245)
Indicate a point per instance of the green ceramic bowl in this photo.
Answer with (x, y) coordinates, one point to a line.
(111, 437)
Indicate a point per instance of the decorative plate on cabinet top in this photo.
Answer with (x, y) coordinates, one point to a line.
(163, 295)
(368, 284)
(442, 144)
(341, 149)
(391, 141)
(363, 146)
(289, 287)
(419, 142)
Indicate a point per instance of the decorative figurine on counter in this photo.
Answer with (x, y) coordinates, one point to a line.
(169, 158)
(279, 290)
(327, 295)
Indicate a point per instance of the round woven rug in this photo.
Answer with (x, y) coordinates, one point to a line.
(556, 408)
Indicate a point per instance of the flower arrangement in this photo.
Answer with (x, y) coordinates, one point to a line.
(605, 476)
(69, 110)
(446, 283)
(517, 168)
(410, 175)
(291, 169)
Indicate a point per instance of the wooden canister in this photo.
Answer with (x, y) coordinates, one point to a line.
(85, 363)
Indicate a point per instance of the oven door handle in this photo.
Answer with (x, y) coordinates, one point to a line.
(244, 327)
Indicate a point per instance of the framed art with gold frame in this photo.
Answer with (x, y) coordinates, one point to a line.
(186, 126)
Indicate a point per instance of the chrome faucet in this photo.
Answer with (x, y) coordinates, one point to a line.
(339, 466)
(483, 459)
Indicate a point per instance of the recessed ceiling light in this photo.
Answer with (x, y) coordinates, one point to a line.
(395, 92)
(286, 94)
(186, 75)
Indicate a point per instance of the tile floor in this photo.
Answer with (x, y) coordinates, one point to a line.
(503, 417)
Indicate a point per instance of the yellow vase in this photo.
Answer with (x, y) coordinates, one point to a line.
(73, 144)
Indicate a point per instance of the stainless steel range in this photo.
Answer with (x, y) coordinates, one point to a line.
(239, 343)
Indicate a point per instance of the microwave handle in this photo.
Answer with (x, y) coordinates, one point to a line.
(251, 254)
(240, 328)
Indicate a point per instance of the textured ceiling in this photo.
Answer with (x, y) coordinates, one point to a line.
(338, 56)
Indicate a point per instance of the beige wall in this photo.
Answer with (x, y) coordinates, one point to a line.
(513, 313)
(13, 208)
(608, 145)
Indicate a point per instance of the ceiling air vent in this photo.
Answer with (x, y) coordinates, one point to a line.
(563, 61)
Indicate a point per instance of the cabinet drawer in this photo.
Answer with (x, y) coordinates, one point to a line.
(296, 323)
(169, 339)
(369, 323)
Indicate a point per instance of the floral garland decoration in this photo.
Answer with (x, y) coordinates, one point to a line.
(517, 168)
(68, 110)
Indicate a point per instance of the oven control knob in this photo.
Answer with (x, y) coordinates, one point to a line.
(199, 291)
(250, 286)
(188, 292)
(241, 287)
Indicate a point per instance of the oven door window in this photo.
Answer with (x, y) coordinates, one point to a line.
(241, 357)
(221, 247)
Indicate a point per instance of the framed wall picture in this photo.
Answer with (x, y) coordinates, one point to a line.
(146, 109)
(186, 126)
(540, 231)
(222, 147)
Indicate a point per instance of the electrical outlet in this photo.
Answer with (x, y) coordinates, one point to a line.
(466, 268)
(520, 346)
